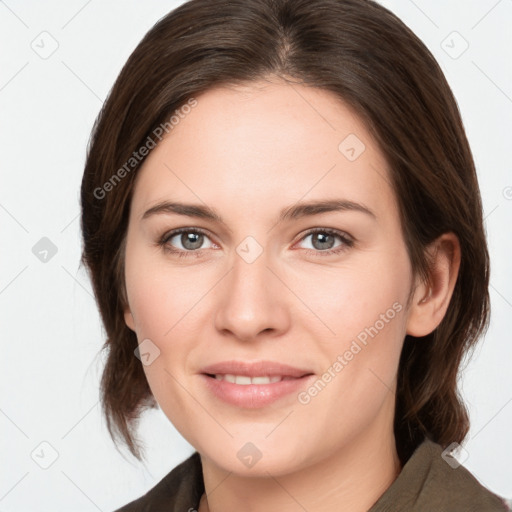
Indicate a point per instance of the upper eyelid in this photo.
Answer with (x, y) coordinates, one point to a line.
(178, 231)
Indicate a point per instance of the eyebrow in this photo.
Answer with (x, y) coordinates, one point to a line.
(293, 212)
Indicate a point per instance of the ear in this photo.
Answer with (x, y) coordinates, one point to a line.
(430, 302)
(128, 318)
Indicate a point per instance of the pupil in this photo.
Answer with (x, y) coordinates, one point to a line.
(325, 241)
(191, 240)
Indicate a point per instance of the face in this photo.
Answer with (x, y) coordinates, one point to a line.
(267, 281)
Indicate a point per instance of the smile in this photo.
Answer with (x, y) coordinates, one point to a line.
(255, 392)
(245, 380)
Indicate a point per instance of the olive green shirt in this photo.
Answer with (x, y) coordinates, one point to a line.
(427, 483)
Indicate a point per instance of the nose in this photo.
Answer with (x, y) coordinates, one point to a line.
(253, 301)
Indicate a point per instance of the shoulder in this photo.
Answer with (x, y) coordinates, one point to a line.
(180, 489)
(459, 486)
(432, 479)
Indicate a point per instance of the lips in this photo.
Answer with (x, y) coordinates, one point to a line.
(244, 380)
(254, 370)
(254, 385)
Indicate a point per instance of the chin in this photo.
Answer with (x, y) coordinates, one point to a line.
(255, 459)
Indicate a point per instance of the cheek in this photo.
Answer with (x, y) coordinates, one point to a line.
(363, 305)
(168, 305)
(162, 309)
(350, 298)
(159, 296)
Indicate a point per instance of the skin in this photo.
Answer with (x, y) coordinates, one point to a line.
(248, 152)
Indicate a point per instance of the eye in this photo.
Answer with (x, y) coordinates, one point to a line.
(184, 240)
(323, 241)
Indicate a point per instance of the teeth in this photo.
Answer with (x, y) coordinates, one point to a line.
(244, 379)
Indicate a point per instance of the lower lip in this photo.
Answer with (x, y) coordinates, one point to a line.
(253, 396)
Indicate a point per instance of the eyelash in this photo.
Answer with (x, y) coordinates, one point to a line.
(346, 242)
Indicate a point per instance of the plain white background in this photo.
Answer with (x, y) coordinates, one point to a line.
(58, 62)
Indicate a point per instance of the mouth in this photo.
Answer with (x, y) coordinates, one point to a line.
(245, 380)
(254, 384)
(226, 370)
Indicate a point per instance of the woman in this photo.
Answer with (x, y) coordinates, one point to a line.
(283, 227)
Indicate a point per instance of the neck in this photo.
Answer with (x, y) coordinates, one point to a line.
(355, 475)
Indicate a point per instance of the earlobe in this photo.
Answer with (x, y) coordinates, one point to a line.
(430, 300)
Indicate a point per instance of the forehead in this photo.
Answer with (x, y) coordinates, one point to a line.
(265, 144)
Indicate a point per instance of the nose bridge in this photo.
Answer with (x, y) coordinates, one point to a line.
(251, 300)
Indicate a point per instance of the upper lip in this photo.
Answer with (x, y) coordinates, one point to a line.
(254, 369)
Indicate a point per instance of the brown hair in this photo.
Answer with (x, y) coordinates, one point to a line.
(365, 55)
